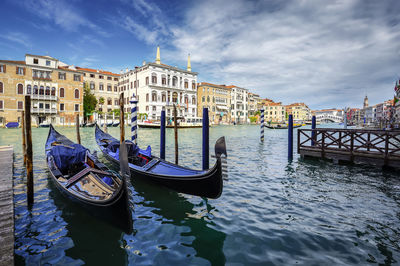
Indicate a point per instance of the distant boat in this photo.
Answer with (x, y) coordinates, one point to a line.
(44, 124)
(282, 126)
(115, 124)
(12, 125)
(90, 124)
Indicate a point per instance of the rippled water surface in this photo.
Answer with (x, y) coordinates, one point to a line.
(272, 211)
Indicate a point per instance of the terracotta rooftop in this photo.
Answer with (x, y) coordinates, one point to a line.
(210, 84)
(13, 62)
(96, 71)
(273, 104)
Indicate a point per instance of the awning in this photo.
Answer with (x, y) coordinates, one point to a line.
(222, 107)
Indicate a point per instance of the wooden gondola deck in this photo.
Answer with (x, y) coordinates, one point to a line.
(376, 147)
(6, 206)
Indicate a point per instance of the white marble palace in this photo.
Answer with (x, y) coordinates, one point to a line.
(158, 85)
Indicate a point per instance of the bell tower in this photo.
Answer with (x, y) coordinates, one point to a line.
(365, 101)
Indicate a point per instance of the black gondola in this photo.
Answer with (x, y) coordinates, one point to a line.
(90, 124)
(281, 127)
(204, 183)
(115, 124)
(83, 179)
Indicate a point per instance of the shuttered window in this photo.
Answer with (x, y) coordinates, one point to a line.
(20, 89)
(1, 105)
(62, 92)
(76, 94)
(1, 87)
(20, 105)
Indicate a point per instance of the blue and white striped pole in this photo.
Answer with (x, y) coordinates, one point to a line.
(262, 125)
(134, 119)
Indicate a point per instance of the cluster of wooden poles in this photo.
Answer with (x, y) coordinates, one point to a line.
(290, 132)
(27, 137)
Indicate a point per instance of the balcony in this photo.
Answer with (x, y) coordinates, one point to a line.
(44, 97)
(43, 111)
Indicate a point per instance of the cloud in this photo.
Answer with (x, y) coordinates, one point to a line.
(323, 53)
(19, 38)
(63, 14)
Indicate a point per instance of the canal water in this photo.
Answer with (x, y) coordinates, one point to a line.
(271, 212)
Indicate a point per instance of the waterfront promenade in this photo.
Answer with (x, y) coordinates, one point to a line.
(6, 206)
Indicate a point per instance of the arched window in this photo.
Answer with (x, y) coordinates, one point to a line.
(154, 96)
(163, 80)
(186, 84)
(47, 90)
(147, 80)
(175, 97)
(20, 89)
(163, 97)
(29, 89)
(109, 101)
(193, 100)
(213, 99)
(53, 91)
(208, 99)
(186, 99)
(147, 97)
(193, 85)
(1, 87)
(41, 90)
(154, 78)
(35, 90)
(203, 99)
(76, 94)
(174, 81)
(61, 92)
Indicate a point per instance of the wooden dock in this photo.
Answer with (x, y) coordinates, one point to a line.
(6, 206)
(373, 147)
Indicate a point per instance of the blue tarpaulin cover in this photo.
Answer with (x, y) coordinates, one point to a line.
(66, 155)
(132, 149)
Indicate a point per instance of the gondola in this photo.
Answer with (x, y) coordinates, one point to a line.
(281, 127)
(90, 124)
(115, 124)
(84, 180)
(203, 183)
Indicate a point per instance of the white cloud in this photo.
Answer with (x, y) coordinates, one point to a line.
(18, 37)
(323, 53)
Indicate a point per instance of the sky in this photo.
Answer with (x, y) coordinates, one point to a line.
(328, 54)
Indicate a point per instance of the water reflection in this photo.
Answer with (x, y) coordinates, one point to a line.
(175, 209)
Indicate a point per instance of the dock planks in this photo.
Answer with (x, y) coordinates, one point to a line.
(6, 206)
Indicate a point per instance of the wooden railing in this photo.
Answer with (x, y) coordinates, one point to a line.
(375, 144)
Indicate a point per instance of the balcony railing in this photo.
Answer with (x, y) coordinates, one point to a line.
(43, 97)
(44, 111)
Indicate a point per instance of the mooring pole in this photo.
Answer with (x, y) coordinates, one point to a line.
(313, 126)
(290, 140)
(78, 136)
(23, 136)
(162, 134)
(134, 119)
(206, 139)
(105, 123)
(262, 125)
(29, 157)
(121, 118)
(176, 135)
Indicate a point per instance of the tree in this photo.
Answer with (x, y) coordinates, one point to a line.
(89, 102)
(101, 101)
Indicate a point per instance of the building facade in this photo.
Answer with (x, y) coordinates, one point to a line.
(239, 106)
(217, 98)
(274, 112)
(56, 90)
(253, 103)
(300, 111)
(103, 84)
(159, 86)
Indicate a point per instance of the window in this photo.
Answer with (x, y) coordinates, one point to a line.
(164, 81)
(186, 100)
(109, 101)
(92, 85)
(193, 85)
(76, 107)
(1, 87)
(61, 107)
(147, 108)
(101, 87)
(163, 97)
(76, 94)
(147, 97)
(203, 99)
(20, 89)
(47, 62)
(101, 77)
(208, 99)
(154, 96)
(116, 102)
(115, 79)
(77, 77)
(175, 97)
(92, 75)
(2, 68)
(147, 80)
(40, 105)
(53, 91)
(174, 81)
(109, 78)
(109, 88)
(186, 84)
(20, 105)
(1, 105)
(61, 92)
(193, 100)
(35, 61)
(48, 90)
(41, 90)
(20, 70)
(47, 106)
(154, 108)
(61, 75)
(115, 88)
(154, 78)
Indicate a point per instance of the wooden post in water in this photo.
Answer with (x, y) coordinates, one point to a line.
(313, 126)
(78, 136)
(121, 118)
(23, 136)
(29, 157)
(176, 135)
(206, 140)
(290, 136)
(162, 134)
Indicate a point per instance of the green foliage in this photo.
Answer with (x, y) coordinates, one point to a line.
(253, 119)
(257, 113)
(101, 100)
(89, 101)
(142, 116)
(116, 112)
